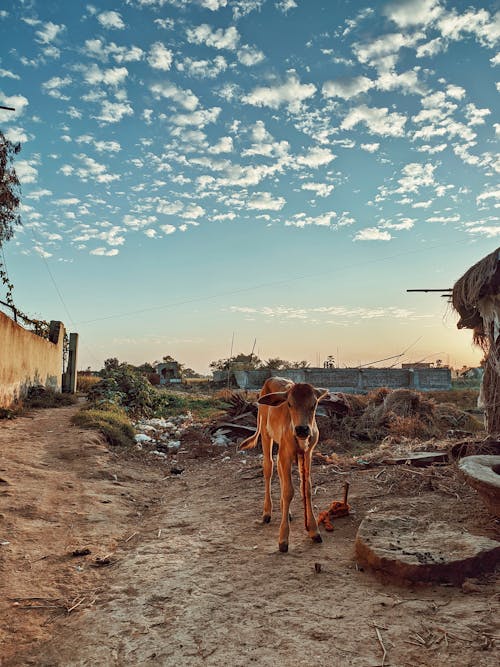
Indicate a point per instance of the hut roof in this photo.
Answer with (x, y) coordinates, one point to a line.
(480, 280)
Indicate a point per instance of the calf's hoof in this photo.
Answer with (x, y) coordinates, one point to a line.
(283, 547)
(317, 538)
(266, 518)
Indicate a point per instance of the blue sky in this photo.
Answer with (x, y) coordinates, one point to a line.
(280, 170)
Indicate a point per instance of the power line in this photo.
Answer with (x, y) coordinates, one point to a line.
(260, 286)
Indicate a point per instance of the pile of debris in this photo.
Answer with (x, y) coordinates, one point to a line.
(178, 438)
(401, 414)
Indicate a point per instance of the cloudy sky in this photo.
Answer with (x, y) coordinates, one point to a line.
(280, 170)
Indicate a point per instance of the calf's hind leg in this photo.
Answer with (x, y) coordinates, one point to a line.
(267, 464)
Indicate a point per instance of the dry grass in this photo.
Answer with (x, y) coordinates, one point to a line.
(84, 383)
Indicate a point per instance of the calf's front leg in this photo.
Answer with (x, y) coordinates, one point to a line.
(285, 475)
(311, 524)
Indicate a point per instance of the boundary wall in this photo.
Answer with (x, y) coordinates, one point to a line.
(353, 380)
(27, 359)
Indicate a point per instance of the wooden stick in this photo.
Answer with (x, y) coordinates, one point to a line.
(379, 637)
(131, 536)
(346, 491)
(76, 605)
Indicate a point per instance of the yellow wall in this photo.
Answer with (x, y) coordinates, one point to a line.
(27, 359)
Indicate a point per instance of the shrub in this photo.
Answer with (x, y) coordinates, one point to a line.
(44, 397)
(112, 421)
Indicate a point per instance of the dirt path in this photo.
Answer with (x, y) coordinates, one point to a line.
(197, 579)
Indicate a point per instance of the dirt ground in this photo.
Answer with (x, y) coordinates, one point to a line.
(182, 572)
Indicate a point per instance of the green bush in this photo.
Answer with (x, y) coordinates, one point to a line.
(111, 420)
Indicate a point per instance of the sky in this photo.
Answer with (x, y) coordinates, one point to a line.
(201, 176)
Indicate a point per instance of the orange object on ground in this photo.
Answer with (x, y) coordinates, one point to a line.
(337, 508)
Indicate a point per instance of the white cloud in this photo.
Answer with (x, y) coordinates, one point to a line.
(38, 194)
(478, 22)
(114, 76)
(52, 86)
(26, 172)
(286, 5)
(431, 48)
(382, 52)
(192, 212)
(111, 20)
(372, 234)
(96, 48)
(160, 57)
(90, 169)
(250, 55)
(474, 115)
(224, 145)
(488, 194)
(218, 39)
(202, 69)
(103, 252)
(416, 176)
(377, 120)
(321, 189)
(370, 148)
(49, 32)
(107, 146)
(6, 74)
(168, 229)
(346, 88)
(292, 92)
(405, 224)
(185, 98)
(443, 219)
(302, 220)
(17, 134)
(113, 112)
(17, 102)
(316, 157)
(200, 118)
(213, 5)
(490, 231)
(265, 201)
(408, 13)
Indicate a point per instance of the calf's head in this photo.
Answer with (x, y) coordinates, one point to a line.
(302, 400)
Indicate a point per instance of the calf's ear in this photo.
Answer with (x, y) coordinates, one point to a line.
(320, 392)
(274, 399)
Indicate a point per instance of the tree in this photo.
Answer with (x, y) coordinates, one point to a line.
(247, 362)
(276, 364)
(9, 189)
(299, 364)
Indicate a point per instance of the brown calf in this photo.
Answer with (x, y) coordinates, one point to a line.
(287, 416)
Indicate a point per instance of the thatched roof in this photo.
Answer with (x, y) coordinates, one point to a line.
(480, 280)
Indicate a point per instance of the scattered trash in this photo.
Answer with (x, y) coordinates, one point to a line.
(142, 437)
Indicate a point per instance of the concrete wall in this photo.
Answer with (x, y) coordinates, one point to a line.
(353, 380)
(27, 359)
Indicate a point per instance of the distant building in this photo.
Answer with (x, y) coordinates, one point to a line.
(169, 372)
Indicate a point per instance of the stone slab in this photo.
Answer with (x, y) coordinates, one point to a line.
(409, 549)
(482, 472)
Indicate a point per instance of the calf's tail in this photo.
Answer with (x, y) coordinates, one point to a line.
(251, 442)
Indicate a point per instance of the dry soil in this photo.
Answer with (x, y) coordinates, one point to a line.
(182, 572)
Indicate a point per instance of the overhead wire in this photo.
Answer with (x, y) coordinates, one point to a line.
(258, 286)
